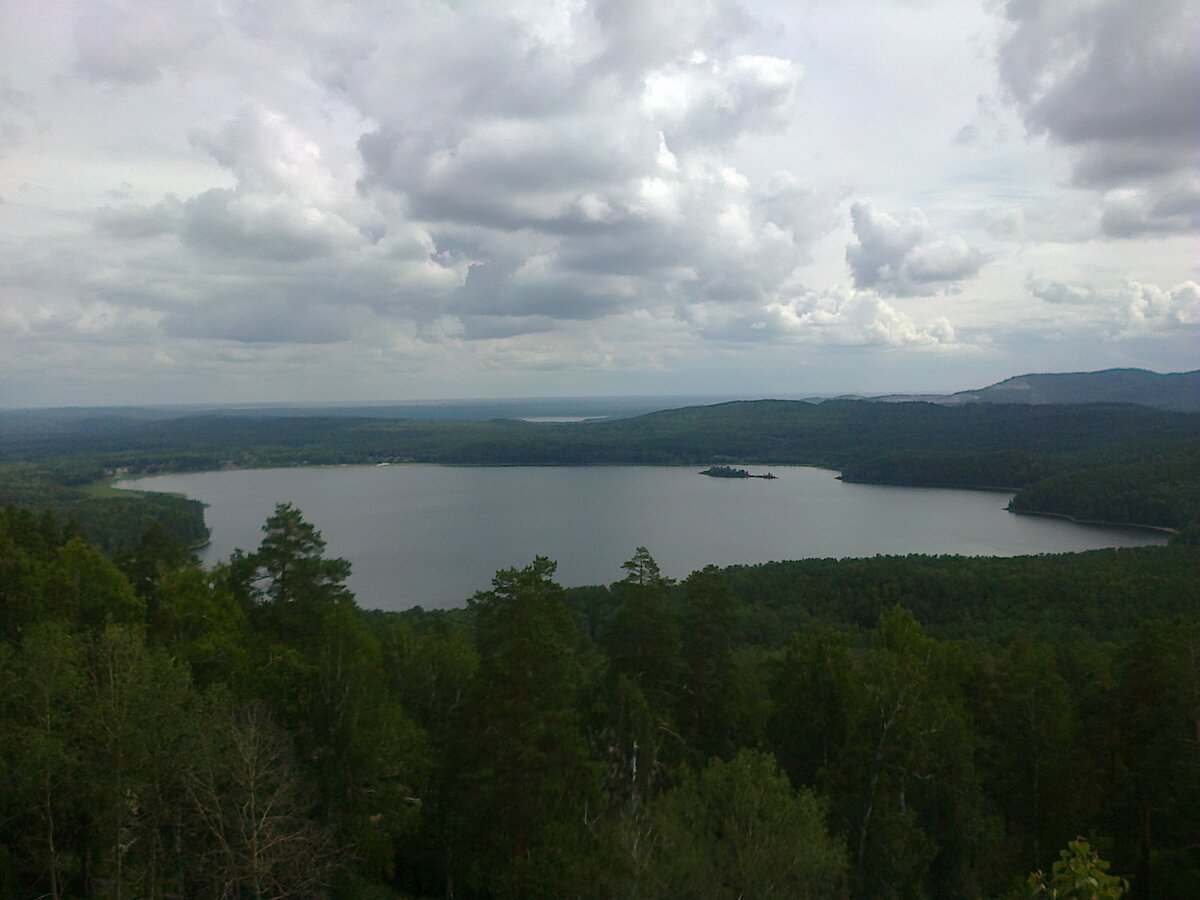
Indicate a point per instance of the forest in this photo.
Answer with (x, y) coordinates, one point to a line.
(1116, 463)
(895, 727)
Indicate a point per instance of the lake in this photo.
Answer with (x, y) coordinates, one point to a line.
(433, 535)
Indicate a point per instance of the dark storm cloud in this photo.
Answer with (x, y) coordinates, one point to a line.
(905, 256)
(1117, 82)
(1173, 208)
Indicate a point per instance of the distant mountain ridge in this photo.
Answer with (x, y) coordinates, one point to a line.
(1178, 391)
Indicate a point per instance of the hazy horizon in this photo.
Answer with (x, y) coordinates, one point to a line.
(623, 400)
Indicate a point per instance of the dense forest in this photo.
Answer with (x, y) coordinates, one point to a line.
(1106, 462)
(911, 727)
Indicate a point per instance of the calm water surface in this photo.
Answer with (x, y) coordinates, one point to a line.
(433, 535)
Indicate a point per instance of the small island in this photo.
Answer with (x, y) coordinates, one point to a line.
(730, 472)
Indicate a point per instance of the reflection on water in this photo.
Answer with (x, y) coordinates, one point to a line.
(433, 535)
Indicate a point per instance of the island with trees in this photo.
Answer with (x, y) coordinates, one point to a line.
(910, 727)
(1120, 463)
(730, 472)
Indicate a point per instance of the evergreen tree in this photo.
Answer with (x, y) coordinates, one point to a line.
(642, 644)
(738, 829)
(1030, 753)
(905, 785)
(291, 583)
(1159, 717)
(813, 696)
(519, 783)
(710, 698)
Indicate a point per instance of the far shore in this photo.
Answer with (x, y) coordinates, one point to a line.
(113, 483)
(1162, 529)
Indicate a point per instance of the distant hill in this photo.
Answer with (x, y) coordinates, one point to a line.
(1175, 390)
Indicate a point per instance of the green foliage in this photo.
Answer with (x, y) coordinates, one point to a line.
(1098, 461)
(642, 641)
(1030, 730)
(246, 731)
(813, 693)
(1162, 490)
(291, 583)
(136, 720)
(199, 622)
(739, 830)
(1157, 709)
(1080, 874)
(113, 520)
(44, 699)
(710, 699)
(519, 780)
(904, 783)
(1103, 595)
(82, 586)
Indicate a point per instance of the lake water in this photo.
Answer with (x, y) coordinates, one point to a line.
(433, 535)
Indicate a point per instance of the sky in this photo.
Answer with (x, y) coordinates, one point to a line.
(279, 200)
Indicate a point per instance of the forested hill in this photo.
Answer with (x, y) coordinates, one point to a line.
(835, 433)
(1173, 390)
(1121, 463)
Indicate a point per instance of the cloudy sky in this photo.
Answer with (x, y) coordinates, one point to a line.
(248, 200)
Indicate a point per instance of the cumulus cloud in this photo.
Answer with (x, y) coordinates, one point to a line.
(700, 100)
(1115, 81)
(1147, 307)
(903, 256)
(1170, 207)
(859, 317)
(603, 179)
(591, 183)
(1128, 309)
(838, 316)
(291, 243)
(541, 165)
(1060, 292)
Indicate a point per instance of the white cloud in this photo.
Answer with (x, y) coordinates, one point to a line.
(1115, 81)
(442, 189)
(905, 256)
(1128, 309)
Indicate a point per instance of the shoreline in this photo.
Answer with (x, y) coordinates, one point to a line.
(1134, 526)
(985, 488)
(113, 483)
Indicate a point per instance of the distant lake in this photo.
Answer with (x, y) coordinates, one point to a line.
(433, 535)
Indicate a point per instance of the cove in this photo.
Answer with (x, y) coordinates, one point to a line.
(433, 535)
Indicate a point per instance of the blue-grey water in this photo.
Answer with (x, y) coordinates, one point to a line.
(433, 535)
